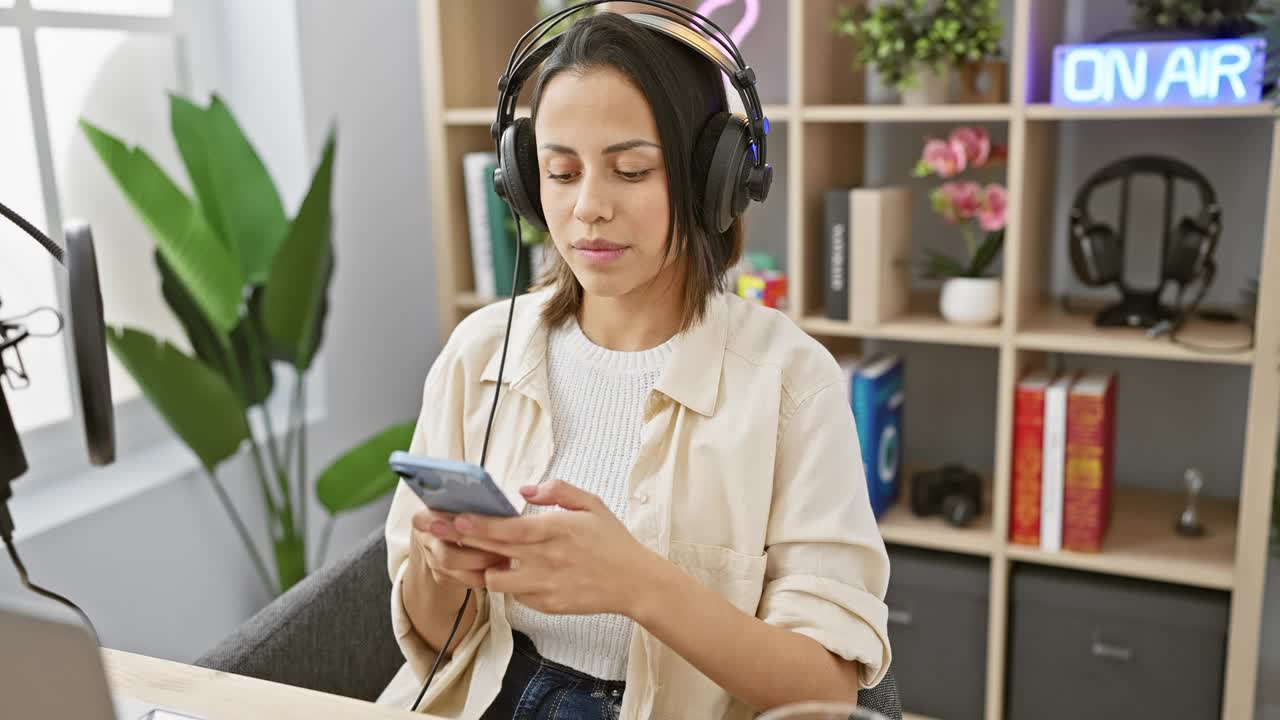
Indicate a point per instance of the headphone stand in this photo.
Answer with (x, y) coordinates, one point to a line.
(1136, 309)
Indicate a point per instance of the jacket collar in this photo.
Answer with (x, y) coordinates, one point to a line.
(691, 378)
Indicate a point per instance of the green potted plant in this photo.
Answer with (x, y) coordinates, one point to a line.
(913, 44)
(971, 292)
(249, 285)
(1214, 18)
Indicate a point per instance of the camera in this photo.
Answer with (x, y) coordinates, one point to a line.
(953, 491)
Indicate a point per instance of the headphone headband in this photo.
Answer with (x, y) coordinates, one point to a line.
(1164, 166)
(524, 60)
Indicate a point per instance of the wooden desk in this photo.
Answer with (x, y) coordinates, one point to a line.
(216, 695)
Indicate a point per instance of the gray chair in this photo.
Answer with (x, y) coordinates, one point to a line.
(332, 633)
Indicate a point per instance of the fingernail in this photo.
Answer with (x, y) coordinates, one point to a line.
(464, 523)
(439, 527)
(528, 489)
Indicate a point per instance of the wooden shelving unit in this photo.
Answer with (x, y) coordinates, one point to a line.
(466, 44)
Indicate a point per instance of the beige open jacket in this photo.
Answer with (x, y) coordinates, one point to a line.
(748, 478)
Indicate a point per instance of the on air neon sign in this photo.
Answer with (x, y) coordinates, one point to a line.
(1190, 72)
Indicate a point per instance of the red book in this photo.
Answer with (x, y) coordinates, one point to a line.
(1090, 461)
(1028, 447)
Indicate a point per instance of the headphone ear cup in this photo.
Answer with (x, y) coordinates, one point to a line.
(1096, 255)
(516, 179)
(721, 169)
(1185, 256)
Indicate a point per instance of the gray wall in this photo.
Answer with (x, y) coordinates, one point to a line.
(161, 572)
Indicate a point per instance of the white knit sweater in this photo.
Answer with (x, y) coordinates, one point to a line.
(597, 401)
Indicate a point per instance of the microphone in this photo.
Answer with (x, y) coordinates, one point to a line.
(89, 349)
(90, 352)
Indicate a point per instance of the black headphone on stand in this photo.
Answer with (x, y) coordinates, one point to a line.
(729, 157)
(1097, 248)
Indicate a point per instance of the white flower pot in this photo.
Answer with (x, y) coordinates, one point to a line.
(971, 301)
(930, 88)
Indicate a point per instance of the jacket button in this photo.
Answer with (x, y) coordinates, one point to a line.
(641, 498)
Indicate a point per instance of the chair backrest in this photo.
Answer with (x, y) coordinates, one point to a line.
(883, 698)
(331, 632)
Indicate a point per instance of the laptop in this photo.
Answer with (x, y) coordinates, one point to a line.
(50, 667)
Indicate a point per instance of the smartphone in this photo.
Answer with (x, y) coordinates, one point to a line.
(451, 486)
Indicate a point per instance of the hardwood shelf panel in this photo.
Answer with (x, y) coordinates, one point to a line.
(486, 115)
(916, 326)
(1045, 111)
(1143, 544)
(900, 526)
(1054, 330)
(906, 113)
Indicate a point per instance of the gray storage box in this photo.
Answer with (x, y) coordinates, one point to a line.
(938, 631)
(1095, 646)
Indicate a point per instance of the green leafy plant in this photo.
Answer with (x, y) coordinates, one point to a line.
(1266, 25)
(1211, 16)
(249, 286)
(900, 38)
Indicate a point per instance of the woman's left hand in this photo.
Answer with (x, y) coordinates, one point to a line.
(578, 562)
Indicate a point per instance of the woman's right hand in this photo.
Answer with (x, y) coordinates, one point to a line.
(435, 545)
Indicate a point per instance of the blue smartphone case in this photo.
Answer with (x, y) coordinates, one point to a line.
(451, 486)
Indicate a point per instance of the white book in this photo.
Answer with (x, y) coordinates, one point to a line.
(476, 186)
(1053, 462)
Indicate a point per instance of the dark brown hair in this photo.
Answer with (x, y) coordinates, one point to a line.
(683, 90)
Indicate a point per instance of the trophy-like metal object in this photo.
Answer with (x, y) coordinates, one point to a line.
(1189, 523)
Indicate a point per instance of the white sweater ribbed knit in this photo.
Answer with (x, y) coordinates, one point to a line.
(597, 401)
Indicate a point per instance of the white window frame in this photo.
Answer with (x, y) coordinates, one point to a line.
(58, 448)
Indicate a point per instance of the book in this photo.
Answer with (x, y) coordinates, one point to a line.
(835, 254)
(477, 169)
(1028, 448)
(878, 400)
(1051, 477)
(1088, 477)
(502, 242)
(879, 253)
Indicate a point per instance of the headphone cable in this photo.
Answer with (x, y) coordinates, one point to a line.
(484, 448)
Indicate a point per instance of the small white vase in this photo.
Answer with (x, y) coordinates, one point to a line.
(970, 301)
(932, 87)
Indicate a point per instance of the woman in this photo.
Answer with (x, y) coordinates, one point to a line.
(696, 538)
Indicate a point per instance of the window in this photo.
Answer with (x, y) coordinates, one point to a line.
(111, 62)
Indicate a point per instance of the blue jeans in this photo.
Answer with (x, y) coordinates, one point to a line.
(535, 688)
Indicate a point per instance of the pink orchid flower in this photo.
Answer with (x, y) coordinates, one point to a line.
(974, 143)
(995, 203)
(941, 157)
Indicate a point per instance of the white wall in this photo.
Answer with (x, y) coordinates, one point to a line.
(161, 572)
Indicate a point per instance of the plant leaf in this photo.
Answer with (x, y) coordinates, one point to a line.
(939, 265)
(239, 198)
(251, 377)
(361, 475)
(295, 302)
(182, 235)
(195, 401)
(986, 253)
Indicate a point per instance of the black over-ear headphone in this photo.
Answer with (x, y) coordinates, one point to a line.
(729, 159)
(1097, 249)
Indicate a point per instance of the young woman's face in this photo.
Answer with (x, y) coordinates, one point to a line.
(603, 182)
